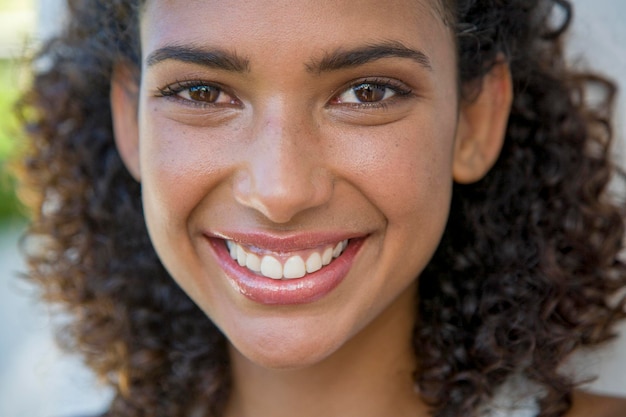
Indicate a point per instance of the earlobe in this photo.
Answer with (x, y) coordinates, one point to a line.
(124, 107)
(482, 126)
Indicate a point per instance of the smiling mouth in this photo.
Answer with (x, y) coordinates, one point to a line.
(279, 266)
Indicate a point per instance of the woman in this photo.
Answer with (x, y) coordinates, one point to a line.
(371, 208)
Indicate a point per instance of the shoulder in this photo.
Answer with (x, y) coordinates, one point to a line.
(594, 405)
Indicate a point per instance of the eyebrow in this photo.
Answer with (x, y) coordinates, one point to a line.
(214, 58)
(332, 61)
(340, 58)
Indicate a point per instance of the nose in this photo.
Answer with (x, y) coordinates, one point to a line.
(284, 172)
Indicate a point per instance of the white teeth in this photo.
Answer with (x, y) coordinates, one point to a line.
(253, 262)
(327, 256)
(271, 268)
(314, 263)
(338, 249)
(232, 248)
(294, 268)
(241, 256)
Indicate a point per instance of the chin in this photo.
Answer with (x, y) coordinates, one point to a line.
(278, 352)
(287, 362)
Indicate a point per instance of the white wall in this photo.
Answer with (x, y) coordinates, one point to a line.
(598, 42)
(50, 15)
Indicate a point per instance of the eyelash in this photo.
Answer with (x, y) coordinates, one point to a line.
(400, 90)
(172, 91)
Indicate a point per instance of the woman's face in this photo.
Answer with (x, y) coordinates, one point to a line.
(281, 132)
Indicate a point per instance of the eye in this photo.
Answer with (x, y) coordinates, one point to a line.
(365, 93)
(370, 93)
(205, 94)
(198, 93)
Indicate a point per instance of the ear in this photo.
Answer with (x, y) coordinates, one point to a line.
(482, 126)
(124, 108)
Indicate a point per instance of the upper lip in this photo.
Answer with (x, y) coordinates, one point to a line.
(284, 242)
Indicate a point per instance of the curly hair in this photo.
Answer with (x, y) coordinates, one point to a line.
(528, 269)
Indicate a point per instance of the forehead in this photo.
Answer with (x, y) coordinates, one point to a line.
(275, 27)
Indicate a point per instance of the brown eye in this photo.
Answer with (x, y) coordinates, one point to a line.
(199, 93)
(369, 93)
(204, 93)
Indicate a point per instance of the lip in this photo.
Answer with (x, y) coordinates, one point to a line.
(307, 289)
(283, 243)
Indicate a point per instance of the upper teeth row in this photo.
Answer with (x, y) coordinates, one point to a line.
(294, 267)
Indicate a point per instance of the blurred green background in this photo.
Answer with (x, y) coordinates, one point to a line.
(17, 31)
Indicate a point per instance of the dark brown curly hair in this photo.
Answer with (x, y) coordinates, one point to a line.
(528, 269)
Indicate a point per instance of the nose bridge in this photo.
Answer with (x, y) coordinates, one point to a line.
(284, 174)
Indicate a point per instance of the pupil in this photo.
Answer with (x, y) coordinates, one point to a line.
(204, 93)
(369, 93)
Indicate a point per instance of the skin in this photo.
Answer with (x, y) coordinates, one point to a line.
(286, 151)
(586, 404)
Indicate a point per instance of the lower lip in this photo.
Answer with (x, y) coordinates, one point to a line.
(303, 290)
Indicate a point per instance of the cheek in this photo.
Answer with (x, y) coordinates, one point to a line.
(181, 167)
(407, 175)
(406, 171)
(179, 164)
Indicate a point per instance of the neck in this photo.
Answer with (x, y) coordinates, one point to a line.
(370, 376)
